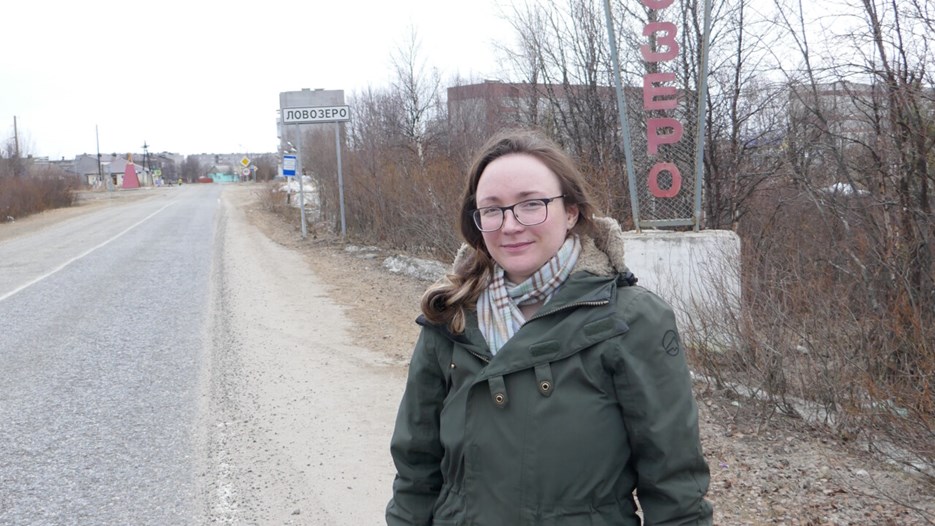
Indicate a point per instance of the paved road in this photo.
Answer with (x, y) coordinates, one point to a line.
(102, 340)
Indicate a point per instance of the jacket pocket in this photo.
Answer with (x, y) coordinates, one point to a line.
(449, 508)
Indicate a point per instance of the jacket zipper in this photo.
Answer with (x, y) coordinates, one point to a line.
(479, 356)
(596, 303)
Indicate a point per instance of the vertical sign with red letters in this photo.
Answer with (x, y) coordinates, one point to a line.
(663, 150)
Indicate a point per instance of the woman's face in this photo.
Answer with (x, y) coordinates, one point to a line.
(521, 250)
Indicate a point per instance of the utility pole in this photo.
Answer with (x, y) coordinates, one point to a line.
(97, 139)
(16, 171)
(15, 138)
(145, 160)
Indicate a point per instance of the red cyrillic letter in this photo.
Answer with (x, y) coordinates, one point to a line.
(654, 139)
(657, 4)
(665, 40)
(653, 180)
(651, 91)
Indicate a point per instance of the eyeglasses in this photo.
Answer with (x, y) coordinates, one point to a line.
(528, 213)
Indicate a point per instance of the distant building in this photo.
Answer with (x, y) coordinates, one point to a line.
(84, 167)
(490, 106)
(493, 105)
(840, 109)
(115, 166)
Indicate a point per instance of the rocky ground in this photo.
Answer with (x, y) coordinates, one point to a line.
(782, 472)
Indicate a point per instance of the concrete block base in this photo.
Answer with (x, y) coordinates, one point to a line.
(698, 273)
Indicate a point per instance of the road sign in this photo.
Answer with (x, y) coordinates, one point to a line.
(245, 161)
(288, 165)
(317, 114)
(245, 171)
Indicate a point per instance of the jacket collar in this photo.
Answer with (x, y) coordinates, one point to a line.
(581, 289)
(551, 339)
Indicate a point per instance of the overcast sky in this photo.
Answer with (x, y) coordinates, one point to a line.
(204, 76)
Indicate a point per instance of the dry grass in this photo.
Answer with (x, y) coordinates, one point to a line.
(23, 196)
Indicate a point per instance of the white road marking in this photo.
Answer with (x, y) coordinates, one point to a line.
(76, 258)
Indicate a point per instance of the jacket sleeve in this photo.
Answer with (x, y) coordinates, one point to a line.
(654, 389)
(415, 446)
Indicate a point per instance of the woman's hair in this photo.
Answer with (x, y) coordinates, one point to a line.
(445, 302)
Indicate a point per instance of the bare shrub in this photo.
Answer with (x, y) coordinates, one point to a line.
(283, 204)
(827, 329)
(403, 204)
(22, 196)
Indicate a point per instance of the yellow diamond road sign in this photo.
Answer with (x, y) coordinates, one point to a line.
(245, 161)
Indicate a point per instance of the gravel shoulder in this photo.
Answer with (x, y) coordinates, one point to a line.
(298, 414)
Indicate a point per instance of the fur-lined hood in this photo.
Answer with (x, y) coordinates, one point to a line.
(601, 252)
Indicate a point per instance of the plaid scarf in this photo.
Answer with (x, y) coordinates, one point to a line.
(498, 313)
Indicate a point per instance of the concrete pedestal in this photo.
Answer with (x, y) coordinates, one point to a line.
(698, 273)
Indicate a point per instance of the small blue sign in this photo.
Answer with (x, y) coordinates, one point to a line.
(288, 165)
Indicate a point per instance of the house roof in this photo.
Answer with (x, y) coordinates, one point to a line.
(119, 166)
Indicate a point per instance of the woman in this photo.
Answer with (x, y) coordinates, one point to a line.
(545, 387)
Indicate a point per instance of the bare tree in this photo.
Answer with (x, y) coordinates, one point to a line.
(745, 112)
(14, 158)
(398, 172)
(266, 167)
(839, 262)
(417, 88)
(191, 169)
(561, 55)
(467, 126)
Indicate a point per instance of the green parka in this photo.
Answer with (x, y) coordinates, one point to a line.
(588, 401)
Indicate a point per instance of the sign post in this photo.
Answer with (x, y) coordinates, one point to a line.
(320, 115)
(660, 173)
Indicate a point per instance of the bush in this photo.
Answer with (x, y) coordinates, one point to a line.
(22, 196)
(830, 329)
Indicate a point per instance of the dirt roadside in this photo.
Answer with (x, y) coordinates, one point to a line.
(298, 414)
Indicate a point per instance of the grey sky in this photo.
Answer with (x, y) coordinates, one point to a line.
(199, 76)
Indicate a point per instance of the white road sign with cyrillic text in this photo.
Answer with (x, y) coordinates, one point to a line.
(316, 114)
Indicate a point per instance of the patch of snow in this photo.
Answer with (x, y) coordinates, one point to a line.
(844, 189)
(424, 269)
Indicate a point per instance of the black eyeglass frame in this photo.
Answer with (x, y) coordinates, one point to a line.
(475, 213)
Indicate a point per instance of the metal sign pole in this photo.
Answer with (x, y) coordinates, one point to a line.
(301, 174)
(624, 121)
(702, 100)
(337, 149)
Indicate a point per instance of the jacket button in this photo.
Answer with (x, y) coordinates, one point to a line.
(451, 365)
(499, 398)
(545, 386)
